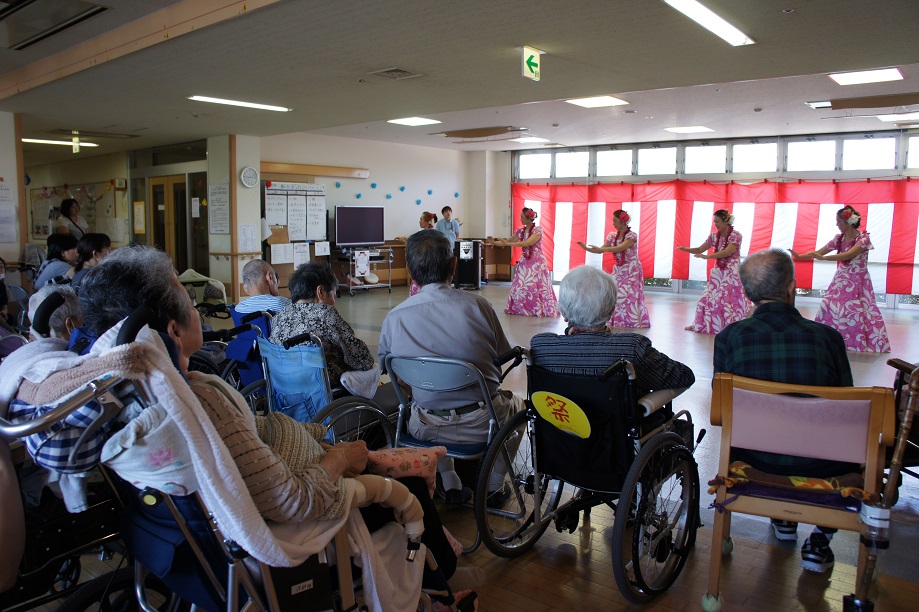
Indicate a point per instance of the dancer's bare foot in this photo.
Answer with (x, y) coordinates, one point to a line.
(688, 328)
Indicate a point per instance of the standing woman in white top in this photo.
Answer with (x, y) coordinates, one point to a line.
(70, 221)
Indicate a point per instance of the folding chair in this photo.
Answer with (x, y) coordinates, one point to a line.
(845, 424)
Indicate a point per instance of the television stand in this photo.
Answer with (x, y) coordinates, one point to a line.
(378, 255)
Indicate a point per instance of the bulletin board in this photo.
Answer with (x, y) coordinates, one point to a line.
(97, 205)
(295, 217)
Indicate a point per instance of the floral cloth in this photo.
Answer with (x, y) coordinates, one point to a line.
(849, 304)
(723, 300)
(531, 290)
(630, 301)
(414, 288)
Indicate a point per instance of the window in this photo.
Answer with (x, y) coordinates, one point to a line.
(657, 161)
(913, 160)
(536, 165)
(811, 155)
(572, 163)
(755, 157)
(705, 159)
(614, 163)
(869, 154)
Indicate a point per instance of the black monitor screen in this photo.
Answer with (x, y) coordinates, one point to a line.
(359, 225)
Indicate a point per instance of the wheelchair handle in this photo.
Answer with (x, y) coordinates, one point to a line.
(133, 324)
(615, 369)
(43, 313)
(225, 335)
(252, 316)
(298, 339)
(212, 310)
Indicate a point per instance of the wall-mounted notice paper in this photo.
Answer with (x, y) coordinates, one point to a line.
(248, 238)
(301, 253)
(276, 209)
(282, 253)
(322, 248)
(218, 215)
(7, 223)
(140, 218)
(196, 208)
(296, 216)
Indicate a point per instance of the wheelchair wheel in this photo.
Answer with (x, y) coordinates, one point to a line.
(506, 517)
(356, 418)
(230, 373)
(114, 592)
(200, 363)
(256, 396)
(656, 518)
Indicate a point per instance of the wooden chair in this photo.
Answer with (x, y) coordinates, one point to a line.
(847, 424)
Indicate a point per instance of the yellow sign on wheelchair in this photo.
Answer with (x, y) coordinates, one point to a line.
(562, 412)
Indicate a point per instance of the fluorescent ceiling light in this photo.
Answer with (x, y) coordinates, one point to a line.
(689, 129)
(529, 139)
(900, 117)
(279, 109)
(66, 143)
(821, 104)
(414, 121)
(598, 102)
(867, 76)
(711, 22)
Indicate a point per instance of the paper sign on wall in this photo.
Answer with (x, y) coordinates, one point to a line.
(282, 253)
(301, 254)
(248, 238)
(7, 223)
(276, 209)
(196, 208)
(140, 218)
(218, 215)
(296, 216)
(322, 248)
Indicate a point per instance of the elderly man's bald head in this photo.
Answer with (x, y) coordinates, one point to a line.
(259, 278)
(767, 275)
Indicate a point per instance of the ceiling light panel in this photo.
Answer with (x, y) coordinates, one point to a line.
(66, 143)
(899, 117)
(689, 129)
(530, 139)
(867, 76)
(597, 102)
(255, 105)
(711, 22)
(413, 121)
(821, 104)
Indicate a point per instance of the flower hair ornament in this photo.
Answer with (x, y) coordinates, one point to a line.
(729, 219)
(529, 213)
(850, 217)
(624, 217)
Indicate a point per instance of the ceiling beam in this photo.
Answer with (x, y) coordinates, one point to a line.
(171, 22)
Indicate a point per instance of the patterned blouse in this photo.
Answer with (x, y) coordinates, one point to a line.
(344, 352)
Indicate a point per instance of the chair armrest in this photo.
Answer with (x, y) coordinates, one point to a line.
(656, 400)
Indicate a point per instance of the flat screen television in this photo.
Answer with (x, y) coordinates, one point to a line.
(358, 226)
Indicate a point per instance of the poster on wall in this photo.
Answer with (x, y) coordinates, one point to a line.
(140, 218)
(218, 215)
(7, 223)
(296, 216)
(299, 206)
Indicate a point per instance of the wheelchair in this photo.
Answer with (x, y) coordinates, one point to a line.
(592, 434)
(179, 540)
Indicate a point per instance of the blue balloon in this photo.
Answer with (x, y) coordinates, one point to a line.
(430, 192)
(358, 196)
(456, 195)
(373, 185)
(389, 196)
(402, 188)
(418, 202)
(337, 184)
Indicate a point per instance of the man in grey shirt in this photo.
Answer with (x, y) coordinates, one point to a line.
(444, 322)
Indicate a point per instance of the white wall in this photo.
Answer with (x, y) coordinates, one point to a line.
(12, 176)
(391, 166)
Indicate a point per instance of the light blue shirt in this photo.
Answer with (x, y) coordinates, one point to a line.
(264, 302)
(450, 229)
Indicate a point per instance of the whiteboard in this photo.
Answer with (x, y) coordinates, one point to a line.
(301, 207)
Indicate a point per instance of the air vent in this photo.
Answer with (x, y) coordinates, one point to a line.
(26, 22)
(395, 74)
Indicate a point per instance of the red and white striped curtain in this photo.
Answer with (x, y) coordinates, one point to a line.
(799, 216)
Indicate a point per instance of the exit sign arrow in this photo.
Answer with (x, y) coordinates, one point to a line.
(531, 63)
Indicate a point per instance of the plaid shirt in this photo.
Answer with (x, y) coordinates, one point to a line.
(779, 345)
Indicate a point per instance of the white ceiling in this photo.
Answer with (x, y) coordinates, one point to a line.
(314, 56)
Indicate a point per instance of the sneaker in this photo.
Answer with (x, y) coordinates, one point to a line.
(816, 555)
(497, 499)
(785, 531)
(457, 497)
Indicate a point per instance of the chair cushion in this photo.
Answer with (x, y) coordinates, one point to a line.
(402, 462)
(846, 485)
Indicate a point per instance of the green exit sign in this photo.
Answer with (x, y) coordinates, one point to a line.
(531, 63)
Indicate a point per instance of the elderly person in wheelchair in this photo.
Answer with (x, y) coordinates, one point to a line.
(586, 299)
(269, 468)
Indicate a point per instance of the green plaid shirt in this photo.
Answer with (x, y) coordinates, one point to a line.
(779, 345)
